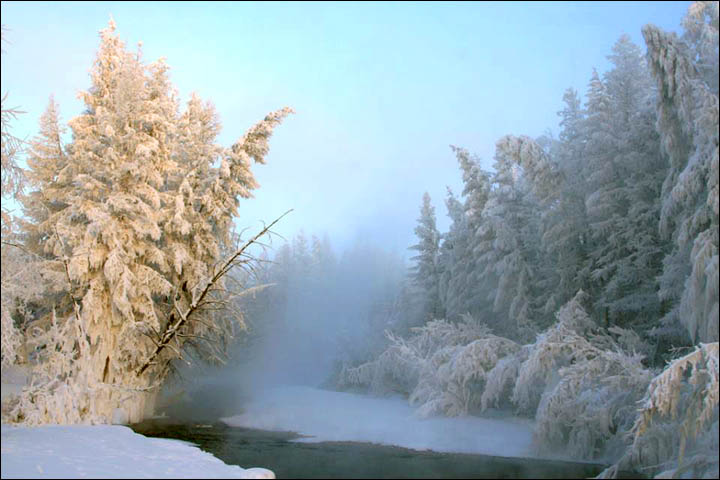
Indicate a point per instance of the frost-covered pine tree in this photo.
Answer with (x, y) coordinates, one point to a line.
(558, 258)
(135, 243)
(597, 170)
(624, 171)
(473, 280)
(571, 117)
(425, 273)
(49, 167)
(512, 220)
(450, 257)
(564, 217)
(50, 176)
(688, 126)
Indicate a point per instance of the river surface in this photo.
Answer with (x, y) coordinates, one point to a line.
(291, 459)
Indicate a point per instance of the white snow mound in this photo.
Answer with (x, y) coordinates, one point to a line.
(104, 451)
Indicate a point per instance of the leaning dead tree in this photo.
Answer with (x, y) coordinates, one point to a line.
(63, 389)
(202, 300)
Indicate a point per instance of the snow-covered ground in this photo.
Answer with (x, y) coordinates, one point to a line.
(336, 416)
(101, 451)
(104, 451)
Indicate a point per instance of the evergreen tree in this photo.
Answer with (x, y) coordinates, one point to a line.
(425, 273)
(513, 219)
(571, 117)
(624, 169)
(450, 258)
(50, 175)
(474, 281)
(134, 239)
(687, 108)
(536, 185)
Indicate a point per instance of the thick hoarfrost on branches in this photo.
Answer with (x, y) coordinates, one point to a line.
(396, 369)
(675, 434)
(452, 379)
(441, 366)
(561, 345)
(663, 394)
(579, 381)
(500, 380)
(130, 220)
(592, 407)
(468, 279)
(688, 125)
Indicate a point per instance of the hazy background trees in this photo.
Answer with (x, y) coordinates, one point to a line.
(599, 251)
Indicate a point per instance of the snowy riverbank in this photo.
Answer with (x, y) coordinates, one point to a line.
(101, 451)
(104, 451)
(325, 415)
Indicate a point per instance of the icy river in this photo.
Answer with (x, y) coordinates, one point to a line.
(302, 432)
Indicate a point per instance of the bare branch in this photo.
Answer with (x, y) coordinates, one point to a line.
(182, 317)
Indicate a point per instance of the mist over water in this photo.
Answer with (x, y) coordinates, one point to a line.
(318, 311)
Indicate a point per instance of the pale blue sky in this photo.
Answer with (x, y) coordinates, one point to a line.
(380, 89)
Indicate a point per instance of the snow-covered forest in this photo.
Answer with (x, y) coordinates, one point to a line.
(576, 285)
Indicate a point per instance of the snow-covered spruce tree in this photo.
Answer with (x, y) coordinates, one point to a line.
(596, 169)
(558, 259)
(136, 243)
(48, 166)
(511, 217)
(453, 250)
(688, 125)
(624, 171)
(564, 218)
(425, 273)
(50, 176)
(472, 283)
(24, 282)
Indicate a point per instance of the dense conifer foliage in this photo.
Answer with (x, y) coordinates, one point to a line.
(576, 276)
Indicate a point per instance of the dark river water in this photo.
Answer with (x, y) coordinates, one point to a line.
(274, 450)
